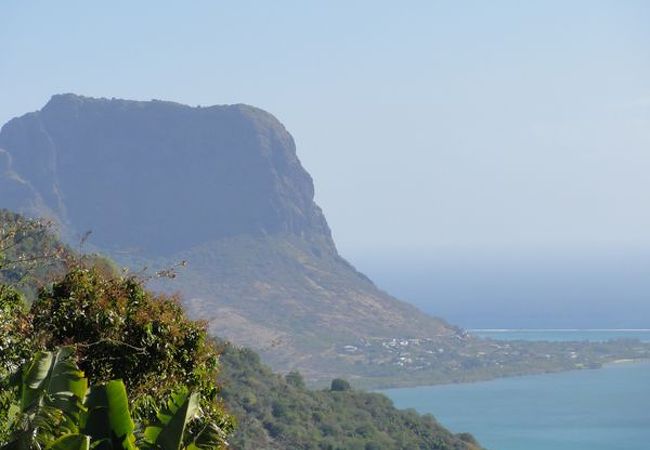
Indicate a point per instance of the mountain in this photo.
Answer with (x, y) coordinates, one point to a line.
(159, 177)
(222, 188)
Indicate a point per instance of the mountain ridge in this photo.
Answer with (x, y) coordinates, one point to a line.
(134, 145)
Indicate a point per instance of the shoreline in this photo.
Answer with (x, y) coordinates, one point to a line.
(512, 358)
(611, 364)
(626, 361)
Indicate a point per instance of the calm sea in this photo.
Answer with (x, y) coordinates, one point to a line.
(603, 409)
(598, 289)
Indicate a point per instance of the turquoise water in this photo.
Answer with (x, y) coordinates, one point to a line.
(603, 409)
(563, 334)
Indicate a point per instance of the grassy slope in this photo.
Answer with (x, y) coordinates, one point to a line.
(294, 301)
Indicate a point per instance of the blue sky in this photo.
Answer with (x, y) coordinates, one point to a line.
(427, 126)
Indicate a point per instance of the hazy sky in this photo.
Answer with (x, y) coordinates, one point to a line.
(500, 125)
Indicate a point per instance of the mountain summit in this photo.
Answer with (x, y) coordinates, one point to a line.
(159, 177)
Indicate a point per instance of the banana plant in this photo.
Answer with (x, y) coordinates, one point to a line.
(51, 389)
(71, 442)
(107, 420)
(171, 431)
(168, 433)
(57, 411)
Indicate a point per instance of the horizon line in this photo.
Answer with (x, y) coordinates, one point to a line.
(504, 330)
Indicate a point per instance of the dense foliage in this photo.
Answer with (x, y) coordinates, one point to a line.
(119, 330)
(56, 409)
(276, 412)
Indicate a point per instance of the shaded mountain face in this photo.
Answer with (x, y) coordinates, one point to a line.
(222, 188)
(158, 177)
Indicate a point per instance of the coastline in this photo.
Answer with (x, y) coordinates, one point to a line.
(523, 367)
(612, 364)
(415, 383)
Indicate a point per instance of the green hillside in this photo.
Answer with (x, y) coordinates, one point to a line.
(277, 412)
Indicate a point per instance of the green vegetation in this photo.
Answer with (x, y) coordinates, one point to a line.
(120, 329)
(55, 409)
(276, 412)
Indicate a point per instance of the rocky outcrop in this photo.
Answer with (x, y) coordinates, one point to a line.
(159, 177)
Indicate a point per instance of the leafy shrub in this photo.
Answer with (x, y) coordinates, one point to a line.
(339, 385)
(294, 378)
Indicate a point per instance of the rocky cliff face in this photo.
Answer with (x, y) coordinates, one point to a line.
(222, 188)
(158, 177)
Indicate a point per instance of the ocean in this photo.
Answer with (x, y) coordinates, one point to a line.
(597, 290)
(593, 296)
(601, 409)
